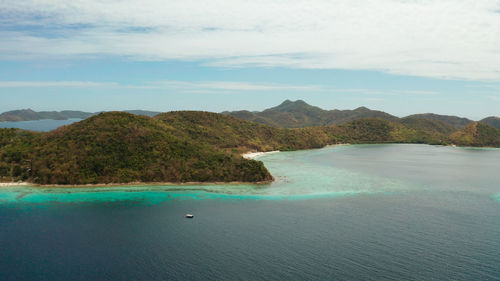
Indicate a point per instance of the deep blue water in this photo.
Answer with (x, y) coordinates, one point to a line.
(367, 212)
(43, 125)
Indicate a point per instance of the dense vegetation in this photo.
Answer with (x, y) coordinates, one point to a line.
(374, 130)
(454, 121)
(230, 133)
(476, 134)
(118, 148)
(428, 125)
(185, 146)
(492, 121)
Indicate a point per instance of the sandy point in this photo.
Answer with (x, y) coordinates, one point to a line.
(252, 155)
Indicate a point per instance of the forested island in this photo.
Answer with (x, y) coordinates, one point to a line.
(196, 146)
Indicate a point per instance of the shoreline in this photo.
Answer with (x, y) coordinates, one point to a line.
(255, 154)
(9, 184)
(251, 155)
(28, 184)
(247, 155)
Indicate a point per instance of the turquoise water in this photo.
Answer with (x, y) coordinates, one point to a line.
(296, 178)
(358, 212)
(328, 172)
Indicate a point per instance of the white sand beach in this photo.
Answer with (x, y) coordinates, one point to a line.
(252, 155)
(4, 184)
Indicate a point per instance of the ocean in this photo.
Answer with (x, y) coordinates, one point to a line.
(43, 125)
(354, 212)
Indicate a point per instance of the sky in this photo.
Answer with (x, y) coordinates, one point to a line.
(399, 56)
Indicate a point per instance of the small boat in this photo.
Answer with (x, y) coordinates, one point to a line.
(189, 216)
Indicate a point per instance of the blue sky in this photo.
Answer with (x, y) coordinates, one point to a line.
(402, 57)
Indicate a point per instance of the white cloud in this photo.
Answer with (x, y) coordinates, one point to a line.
(455, 39)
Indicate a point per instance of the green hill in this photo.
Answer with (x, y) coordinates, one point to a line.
(230, 133)
(119, 147)
(476, 134)
(233, 134)
(428, 125)
(143, 112)
(492, 121)
(376, 130)
(456, 122)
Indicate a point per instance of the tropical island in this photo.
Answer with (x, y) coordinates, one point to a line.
(205, 147)
(31, 115)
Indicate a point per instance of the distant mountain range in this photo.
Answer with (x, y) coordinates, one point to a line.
(299, 114)
(289, 114)
(29, 114)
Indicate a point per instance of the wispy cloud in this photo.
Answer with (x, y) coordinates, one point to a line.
(183, 86)
(491, 87)
(218, 87)
(372, 99)
(54, 84)
(235, 86)
(495, 97)
(417, 92)
(451, 39)
(384, 92)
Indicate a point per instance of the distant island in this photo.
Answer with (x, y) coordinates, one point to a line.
(196, 146)
(289, 114)
(31, 115)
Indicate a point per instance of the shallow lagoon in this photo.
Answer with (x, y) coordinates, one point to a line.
(343, 212)
(328, 172)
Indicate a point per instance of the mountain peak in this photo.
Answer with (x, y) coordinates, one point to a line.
(289, 102)
(299, 114)
(289, 105)
(362, 108)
